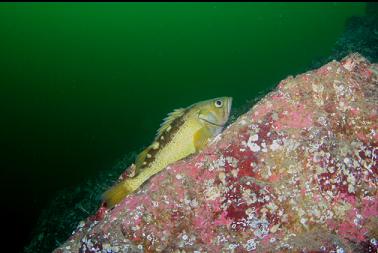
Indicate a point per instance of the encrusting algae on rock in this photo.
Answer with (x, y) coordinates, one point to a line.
(183, 132)
(297, 173)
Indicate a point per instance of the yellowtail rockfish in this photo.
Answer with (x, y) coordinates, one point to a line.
(184, 131)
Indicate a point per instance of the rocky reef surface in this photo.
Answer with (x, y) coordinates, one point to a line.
(360, 35)
(296, 173)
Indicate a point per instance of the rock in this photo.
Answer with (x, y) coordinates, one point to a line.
(360, 35)
(297, 173)
(70, 206)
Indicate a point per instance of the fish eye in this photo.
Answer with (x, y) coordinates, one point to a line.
(218, 103)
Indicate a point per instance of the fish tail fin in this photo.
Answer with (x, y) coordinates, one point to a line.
(116, 194)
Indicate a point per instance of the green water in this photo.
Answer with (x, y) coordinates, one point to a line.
(84, 83)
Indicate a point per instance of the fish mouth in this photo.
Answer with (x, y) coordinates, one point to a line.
(229, 104)
(210, 122)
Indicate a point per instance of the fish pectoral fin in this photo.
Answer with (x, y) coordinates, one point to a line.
(201, 138)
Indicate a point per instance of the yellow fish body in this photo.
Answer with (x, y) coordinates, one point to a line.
(185, 131)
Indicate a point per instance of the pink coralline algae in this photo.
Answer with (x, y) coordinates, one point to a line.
(297, 173)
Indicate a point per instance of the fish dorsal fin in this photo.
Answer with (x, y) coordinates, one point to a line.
(140, 160)
(169, 119)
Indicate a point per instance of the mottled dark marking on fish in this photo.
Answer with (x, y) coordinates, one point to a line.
(146, 157)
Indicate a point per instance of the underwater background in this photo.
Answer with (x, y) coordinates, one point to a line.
(84, 87)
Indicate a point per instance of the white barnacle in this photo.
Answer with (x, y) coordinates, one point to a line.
(358, 219)
(135, 228)
(251, 245)
(346, 160)
(232, 161)
(222, 177)
(331, 169)
(271, 206)
(217, 164)
(232, 246)
(352, 181)
(212, 192)
(339, 250)
(264, 149)
(322, 120)
(149, 237)
(235, 172)
(254, 137)
(155, 203)
(303, 221)
(374, 241)
(194, 203)
(275, 146)
(251, 145)
(254, 147)
(266, 198)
